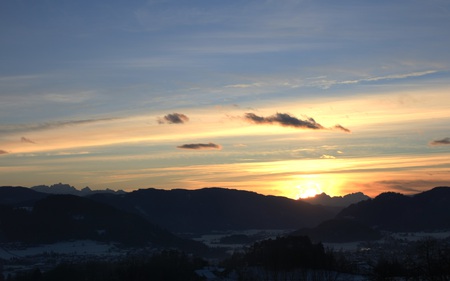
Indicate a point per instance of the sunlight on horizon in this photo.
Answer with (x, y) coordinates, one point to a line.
(310, 189)
(306, 186)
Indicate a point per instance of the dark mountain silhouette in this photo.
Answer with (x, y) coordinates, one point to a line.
(66, 217)
(17, 196)
(336, 201)
(61, 188)
(429, 210)
(209, 209)
(339, 231)
(32, 216)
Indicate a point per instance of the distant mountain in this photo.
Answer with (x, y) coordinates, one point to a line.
(67, 217)
(336, 201)
(61, 188)
(209, 209)
(429, 210)
(339, 231)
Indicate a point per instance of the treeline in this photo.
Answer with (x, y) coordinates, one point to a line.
(297, 258)
(287, 258)
(168, 265)
(426, 259)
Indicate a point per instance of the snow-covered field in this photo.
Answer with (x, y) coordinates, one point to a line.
(415, 236)
(78, 247)
(213, 239)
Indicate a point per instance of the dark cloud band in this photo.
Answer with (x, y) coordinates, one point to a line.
(287, 120)
(173, 118)
(444, 141)
(284, 119)
(197, 146)
(342, 128)
(27, 140)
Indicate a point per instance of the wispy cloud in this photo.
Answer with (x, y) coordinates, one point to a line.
(27, 140)
(173, 118)
(244, 86)
(20, 78)
(197, 146)
(70, 97)
(3, 152)
(342, 128)
(326, 156)
(389, 77)
(66, 153)
(49, 125)
(444, 141)
(325, 83)
(405, 186)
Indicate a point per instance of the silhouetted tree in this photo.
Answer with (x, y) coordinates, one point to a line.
(389, 270)
(433, 258)
(287, 253)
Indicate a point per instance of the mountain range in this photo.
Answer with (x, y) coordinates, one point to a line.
(428, 210)
(336, 201)
(152, 215)
(389, 211)
(61, 188)
(217, 209)
(53, 218)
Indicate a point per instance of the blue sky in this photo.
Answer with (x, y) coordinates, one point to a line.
(86, 86)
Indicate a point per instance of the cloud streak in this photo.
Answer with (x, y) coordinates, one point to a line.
(201, 146)
(173, 118)
(325, 83)
(49, 125)
(326, 156)
(3, 152)
(389, 77)
(444, 141)
(24, 139)
(286, 120)
(342, 128)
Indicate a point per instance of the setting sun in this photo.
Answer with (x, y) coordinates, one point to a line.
(309, 189)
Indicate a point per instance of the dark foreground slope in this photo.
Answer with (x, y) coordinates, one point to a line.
(426, 211)
(68, 217)
(209, 209)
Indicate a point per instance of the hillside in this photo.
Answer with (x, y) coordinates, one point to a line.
(17, 195)
(68, 217)
(425, 211)
(210, 209)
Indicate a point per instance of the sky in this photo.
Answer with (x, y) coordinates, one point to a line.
(283, 97)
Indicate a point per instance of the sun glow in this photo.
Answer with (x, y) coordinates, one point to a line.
(309, 189)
